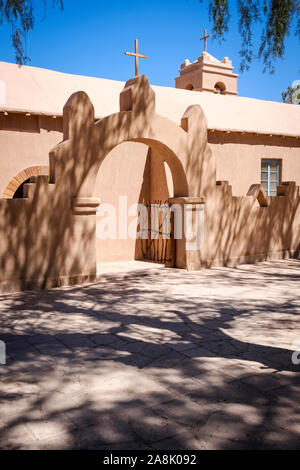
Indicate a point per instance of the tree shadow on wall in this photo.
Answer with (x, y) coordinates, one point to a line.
(48, 237)
(112, 365)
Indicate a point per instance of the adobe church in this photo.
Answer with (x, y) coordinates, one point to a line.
(74, 148)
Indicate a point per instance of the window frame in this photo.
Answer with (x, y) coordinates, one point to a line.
(269, 161)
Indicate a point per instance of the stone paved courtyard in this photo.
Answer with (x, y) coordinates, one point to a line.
(160, 359)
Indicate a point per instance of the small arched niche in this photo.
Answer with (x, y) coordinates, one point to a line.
(14, 189)
(220, 88)
(189, 87)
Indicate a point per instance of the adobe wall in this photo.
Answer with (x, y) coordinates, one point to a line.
(251, 228)
(25, 141)
(234, 150)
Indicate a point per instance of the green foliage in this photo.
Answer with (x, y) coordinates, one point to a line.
(277, 18)
(20, 15)
(292, 95)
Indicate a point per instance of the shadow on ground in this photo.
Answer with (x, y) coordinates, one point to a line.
(163, 360)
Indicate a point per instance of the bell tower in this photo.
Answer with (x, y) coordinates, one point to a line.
(208, 74)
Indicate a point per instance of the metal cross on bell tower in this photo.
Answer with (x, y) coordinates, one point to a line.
(205, 37)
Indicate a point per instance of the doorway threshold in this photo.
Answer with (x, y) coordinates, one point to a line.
(123, 267)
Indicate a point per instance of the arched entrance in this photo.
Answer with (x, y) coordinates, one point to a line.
(76, 163)
(134, 221)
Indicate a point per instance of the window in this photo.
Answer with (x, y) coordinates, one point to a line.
(270, 176)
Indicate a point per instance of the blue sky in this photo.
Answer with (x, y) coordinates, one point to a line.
(90, 37)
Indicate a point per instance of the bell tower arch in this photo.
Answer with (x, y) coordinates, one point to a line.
(208, 74)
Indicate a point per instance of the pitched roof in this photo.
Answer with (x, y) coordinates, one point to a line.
(42, 91)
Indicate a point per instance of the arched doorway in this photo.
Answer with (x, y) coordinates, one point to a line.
(134, 221)
(76, 162)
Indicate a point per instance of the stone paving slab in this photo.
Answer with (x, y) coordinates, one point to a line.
(157, 359)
